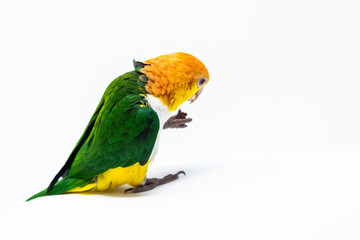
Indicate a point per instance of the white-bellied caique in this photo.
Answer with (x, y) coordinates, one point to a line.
(122, 135)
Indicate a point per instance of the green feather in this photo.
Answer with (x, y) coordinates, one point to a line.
(62, 186)
(121, 132)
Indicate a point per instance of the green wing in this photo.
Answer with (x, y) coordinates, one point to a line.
(122, 132)
(121, 137)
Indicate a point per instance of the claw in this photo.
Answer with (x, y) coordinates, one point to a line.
(129, 190)
(181, 114)
(180, 172)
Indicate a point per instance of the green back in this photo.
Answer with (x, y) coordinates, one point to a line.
(122, 131)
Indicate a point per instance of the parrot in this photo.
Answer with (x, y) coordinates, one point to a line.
(122, 135)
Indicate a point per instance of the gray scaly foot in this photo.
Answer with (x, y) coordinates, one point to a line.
(152, 183)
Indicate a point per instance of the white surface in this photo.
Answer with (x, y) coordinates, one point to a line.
(272, 153)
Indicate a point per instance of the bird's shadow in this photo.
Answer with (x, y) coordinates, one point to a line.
(116, 192)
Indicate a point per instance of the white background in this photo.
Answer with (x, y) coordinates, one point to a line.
(274, 148)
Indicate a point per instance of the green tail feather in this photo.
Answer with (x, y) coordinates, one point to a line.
(63, 186)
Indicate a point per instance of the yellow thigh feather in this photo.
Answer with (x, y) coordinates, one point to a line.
(133, 175)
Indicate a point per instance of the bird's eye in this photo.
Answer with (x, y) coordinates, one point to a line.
(201, 81)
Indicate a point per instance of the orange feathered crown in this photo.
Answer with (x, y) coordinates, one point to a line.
(174, 78)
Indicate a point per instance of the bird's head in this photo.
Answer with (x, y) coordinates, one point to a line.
(174, 78)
